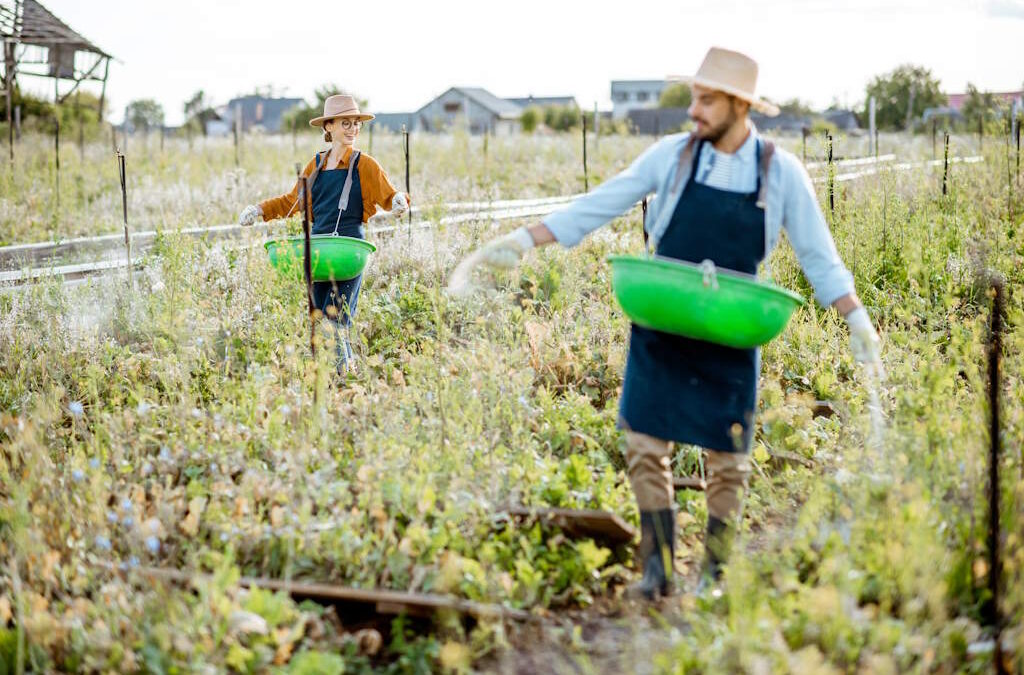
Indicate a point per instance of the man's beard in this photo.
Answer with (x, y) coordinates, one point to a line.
(714, 134)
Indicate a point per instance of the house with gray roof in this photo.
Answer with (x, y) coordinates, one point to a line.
(545, 102)
(393, 122)
(258, 112)
(630, 95)
(473, 108)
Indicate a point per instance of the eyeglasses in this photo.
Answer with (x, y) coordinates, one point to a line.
(350, 124)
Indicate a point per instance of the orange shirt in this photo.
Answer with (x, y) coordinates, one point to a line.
(376, 188)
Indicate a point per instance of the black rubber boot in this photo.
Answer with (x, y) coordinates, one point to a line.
(657, 551)
(717, 543)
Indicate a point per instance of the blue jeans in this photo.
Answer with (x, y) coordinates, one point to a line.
(337, 300)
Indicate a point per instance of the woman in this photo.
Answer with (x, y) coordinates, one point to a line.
(342, 200)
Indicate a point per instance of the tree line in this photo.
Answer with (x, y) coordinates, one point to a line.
(901, 98)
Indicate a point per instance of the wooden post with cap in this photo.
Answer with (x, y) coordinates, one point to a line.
(123, 176)
(307, 257)
(945, 164)
(992, 611)
(405, 138)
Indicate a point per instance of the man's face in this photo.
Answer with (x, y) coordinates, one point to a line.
(714, 112)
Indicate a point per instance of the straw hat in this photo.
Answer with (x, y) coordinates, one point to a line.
(733, 73)
(340, 105)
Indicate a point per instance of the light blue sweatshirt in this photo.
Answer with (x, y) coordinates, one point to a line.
(790, 204)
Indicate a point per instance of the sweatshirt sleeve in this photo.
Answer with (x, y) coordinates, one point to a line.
(377, 188)
(810, 237)
(611, 198)
(285, 205)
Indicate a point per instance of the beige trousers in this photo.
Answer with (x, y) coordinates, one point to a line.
(650, 473)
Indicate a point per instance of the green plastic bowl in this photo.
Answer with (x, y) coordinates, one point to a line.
(333, 258)
(700, 302)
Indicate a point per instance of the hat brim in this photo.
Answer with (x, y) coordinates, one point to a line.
(319, 121)
(758, 104)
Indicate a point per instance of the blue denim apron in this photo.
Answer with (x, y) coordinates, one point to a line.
(329, 218)
(686, 390)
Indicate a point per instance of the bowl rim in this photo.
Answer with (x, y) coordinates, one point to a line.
(318, 237)
(676, 265)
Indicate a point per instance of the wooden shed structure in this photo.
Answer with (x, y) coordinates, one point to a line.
(38, 44)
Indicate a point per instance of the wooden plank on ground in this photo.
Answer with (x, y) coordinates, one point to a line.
(599, 525)
(384, 602)
(689, 483)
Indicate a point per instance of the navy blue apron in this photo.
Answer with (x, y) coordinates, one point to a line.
(686, 390)
(341, 296)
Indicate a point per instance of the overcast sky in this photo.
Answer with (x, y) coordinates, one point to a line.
(400, 54)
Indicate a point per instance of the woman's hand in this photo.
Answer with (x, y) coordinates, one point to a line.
(399, 204)
(249, 215)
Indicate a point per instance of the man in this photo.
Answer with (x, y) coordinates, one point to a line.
(723, 193)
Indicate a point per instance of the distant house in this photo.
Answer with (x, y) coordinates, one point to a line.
(217, 126)
(781, 122)
(545, 102)
(844, 120)
(393, 122)
(473, 108)
(257, 113)
(661, 121)
(657, 121)
(945, 113)
(630, 95)
(956, 101)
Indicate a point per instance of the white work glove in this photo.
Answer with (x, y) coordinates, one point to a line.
(505, 252)
(249, 215)
(399, 204)
(864, 341)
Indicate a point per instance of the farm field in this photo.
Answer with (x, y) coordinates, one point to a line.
(179, 422)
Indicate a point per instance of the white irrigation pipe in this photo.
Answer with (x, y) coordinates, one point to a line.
(548, 205)
(68, 272)
(858, 161)
(902, 166)
(81, 270)
(51, 248)
(510, 203)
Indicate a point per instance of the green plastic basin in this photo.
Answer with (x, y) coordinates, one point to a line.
(697, 301)
(333, 258)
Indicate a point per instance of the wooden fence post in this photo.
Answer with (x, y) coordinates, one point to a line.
(405, 137)
(122, 174)
(945, 165)
(995, 347)
(307, 257)
(238, 133)
(831, 178)
(586, 177)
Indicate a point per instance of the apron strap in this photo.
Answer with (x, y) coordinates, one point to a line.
(346, 189)
(766, 152)
(685, 161)
(765, 149)
(309, 181)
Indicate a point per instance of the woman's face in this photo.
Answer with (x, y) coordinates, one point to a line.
(343, 129)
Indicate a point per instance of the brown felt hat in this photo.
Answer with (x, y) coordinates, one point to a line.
(340, 105)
